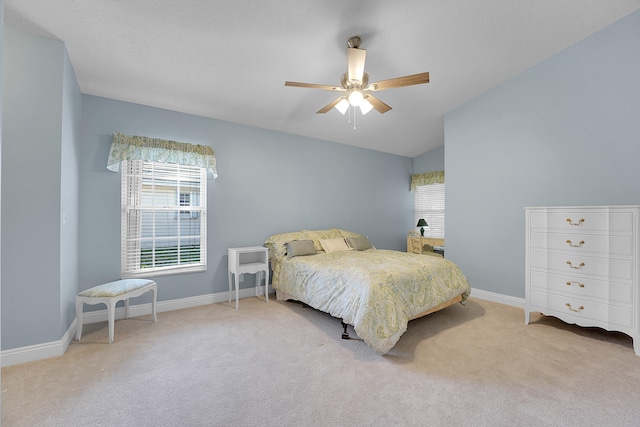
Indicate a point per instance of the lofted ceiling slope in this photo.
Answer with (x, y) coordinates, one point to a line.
(229, 59)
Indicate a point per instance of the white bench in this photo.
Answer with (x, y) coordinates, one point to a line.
(109, 294)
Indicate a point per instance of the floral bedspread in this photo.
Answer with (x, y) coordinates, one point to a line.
(377, 291)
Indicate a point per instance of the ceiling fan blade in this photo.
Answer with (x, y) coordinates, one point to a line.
(414, 79)
(329, 106)
(380, 106)
(355, 64)
(314, 86)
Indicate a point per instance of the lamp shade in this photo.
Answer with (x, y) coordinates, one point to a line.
(342, 105)
(365, 106)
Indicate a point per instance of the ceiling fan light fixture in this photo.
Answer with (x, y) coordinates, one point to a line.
(342, 106)
(356, 91)
(355, 98)
(365, 106)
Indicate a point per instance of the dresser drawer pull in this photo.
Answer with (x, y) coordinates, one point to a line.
(575, 310)
(575, 283)
(575, 223)
(573, 266)
(575, 245)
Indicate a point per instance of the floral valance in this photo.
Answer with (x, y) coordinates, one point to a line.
(427, 178)
(126, 147)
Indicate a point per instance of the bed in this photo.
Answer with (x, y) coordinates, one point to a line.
(376, 291)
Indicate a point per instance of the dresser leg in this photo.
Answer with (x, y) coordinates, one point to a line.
(636, 344)
(527, 316)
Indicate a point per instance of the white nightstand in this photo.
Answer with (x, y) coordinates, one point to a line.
(252, 260)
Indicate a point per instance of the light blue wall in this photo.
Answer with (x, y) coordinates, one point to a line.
(34, 69)
(431, 161)
(270, 182)
(565, 132)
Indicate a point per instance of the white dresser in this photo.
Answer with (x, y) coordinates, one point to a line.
(582, 266)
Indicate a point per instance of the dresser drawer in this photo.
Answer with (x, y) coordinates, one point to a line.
(594, 244)
(621, 293)
(610, 269)
(580, 311)
(588, 221)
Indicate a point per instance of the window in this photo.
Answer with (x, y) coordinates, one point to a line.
(429, 204)
(163, 218)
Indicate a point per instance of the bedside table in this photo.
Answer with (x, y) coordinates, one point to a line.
(415, 244)
(252, 260)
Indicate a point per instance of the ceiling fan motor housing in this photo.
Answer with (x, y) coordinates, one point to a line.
(345, 83)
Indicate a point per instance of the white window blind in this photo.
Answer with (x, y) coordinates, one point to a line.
(429, 204)
(163, 218)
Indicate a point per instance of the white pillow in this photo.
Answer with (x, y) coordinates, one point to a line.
(334, 245)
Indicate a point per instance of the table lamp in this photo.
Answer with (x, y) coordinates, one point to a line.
(422, 223)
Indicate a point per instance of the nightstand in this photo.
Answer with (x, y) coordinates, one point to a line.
(415, 244)
(252, 260)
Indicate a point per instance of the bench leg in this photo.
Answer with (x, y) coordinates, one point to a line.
(79, 308)
(154, 290)
(111, 317)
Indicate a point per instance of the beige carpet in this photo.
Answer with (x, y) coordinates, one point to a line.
(281, 364)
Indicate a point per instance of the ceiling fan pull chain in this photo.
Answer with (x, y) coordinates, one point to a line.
(354, 118)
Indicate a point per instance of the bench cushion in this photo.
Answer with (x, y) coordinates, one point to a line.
(115, 288)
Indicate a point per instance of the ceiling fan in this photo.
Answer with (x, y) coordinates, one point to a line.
(355, 86)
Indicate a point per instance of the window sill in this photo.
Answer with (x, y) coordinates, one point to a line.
(166, 271)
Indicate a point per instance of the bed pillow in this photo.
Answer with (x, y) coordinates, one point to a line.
(277, 243)
(334, 245)
(300, 248)
(316, 235)
(358, 243)
(347, 233)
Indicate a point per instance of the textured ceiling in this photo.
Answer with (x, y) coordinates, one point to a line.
(229, 59)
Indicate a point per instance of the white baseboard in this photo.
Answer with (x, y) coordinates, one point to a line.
(499, 298)
(30, 353)
(34, 352)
